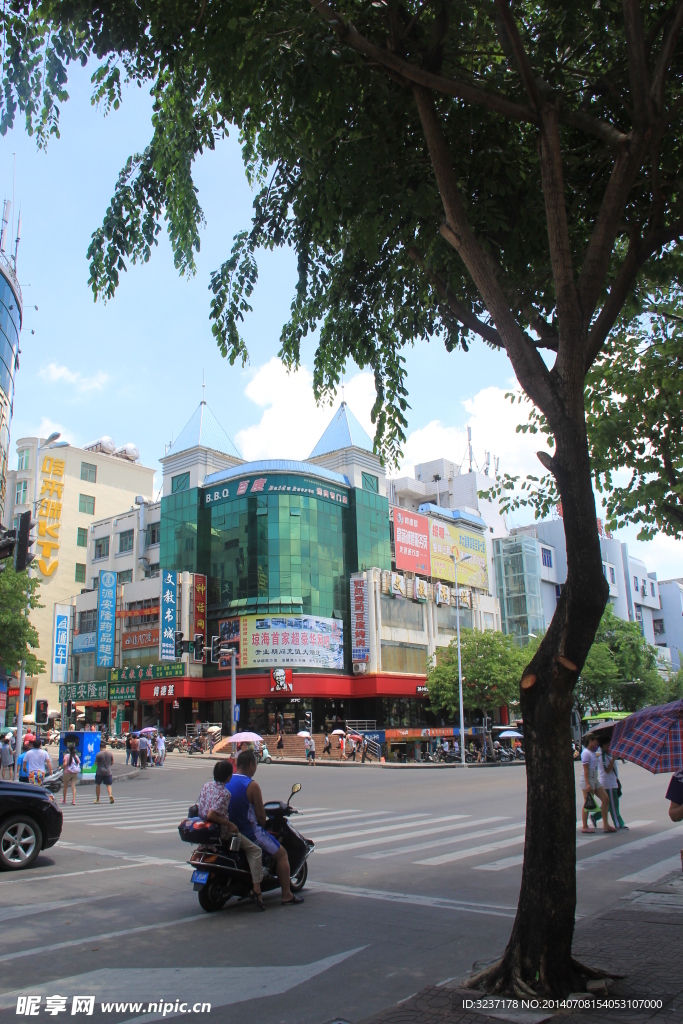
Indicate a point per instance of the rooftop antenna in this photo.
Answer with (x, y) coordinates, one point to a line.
(343, 396)
(469, 446)
(496, 462)
(16, 243)
(203, 387)
(6, 207)
(487, 463)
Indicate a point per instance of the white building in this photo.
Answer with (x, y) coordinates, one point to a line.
(65, 488)
(668, 623)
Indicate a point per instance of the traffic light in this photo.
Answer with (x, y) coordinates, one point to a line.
(309, 720)
(41, 712)
(215, 649)
(178, 635)
(22, 555)
(69, 708)
(8, 540)
(199, 647)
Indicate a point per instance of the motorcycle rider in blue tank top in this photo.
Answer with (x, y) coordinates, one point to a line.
(246, 810)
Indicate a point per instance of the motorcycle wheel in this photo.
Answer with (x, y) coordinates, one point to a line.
(209, 900)
(269, 760)
(298, 881)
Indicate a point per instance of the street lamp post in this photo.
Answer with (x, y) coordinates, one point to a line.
(456, 563)
(22, 678)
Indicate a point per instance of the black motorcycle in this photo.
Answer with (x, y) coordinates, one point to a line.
(221, 872)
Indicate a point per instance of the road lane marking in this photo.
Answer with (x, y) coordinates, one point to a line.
(474, 851)
(441, 903)
(655, 871)
(500, 865)
(25, 909)
(89, 871)
(625, 848)
(447, 841)
(390, 828)
(383, 839)
(36, 950)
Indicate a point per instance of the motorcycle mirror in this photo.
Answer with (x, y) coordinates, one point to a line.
(295, 788)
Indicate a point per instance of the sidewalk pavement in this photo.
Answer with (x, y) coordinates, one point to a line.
(640, 937)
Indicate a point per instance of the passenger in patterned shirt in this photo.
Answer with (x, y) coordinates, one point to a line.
(212, 805)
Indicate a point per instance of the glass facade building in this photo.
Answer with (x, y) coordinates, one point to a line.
(276, 538)
(10, 327)
(517, 563)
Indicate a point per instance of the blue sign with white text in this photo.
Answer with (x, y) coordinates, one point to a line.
(169, 604)
(106, 619)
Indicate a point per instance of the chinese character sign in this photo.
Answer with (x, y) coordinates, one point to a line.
(168, 613)
(448, 539)
(288, 641)
(60, 643)
(106, 619)
(200, 608)
(411, 541)
(82, 692)
(49, 509)
(360, 620)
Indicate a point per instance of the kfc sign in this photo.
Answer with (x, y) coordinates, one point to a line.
(281, 680)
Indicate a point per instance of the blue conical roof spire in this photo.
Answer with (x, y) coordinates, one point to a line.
(343, 431)
(203, 430)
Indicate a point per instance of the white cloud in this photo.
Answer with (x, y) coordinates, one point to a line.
(55, 373)
(291, 422)
(48, 426)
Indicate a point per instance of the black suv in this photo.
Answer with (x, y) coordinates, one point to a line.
(30, 821)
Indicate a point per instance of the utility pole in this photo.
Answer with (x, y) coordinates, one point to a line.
(233, 690)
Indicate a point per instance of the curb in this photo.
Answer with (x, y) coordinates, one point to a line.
(89, 780)
(392, 765)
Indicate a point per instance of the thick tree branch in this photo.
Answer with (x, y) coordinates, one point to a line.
(531, 371)
(459, 89)
(547, 338)
(638, 252)
(607, 226)
(637, 62)
(521, 58)
(665, 57)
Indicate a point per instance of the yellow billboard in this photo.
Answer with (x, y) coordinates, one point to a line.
(447, 539)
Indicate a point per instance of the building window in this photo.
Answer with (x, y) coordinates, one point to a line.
(547, 557)
(612, 576)
(635, 584)
(23, 459)
(658, 626)
(80, 572)
(86, 503)
(20, 493)
(180, 483)
(152, 571)
(652, 590)
(82, 538)
(126, 576)
(370, 483)
(88, 472)
(126, 541)
(604, 570)
(153, 533)
(95, 582)
(87, 621)
(102, 547)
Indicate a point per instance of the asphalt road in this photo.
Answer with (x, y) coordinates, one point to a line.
(415, 876)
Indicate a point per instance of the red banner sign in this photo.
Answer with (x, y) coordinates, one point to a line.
(411, 541)
(200, 608)
(142, 638)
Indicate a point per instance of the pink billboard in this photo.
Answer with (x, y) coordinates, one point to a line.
(411, 541)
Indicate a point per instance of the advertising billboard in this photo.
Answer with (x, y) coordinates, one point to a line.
(60, 643)
(141, 638)
(284, 641)
(446, 539)
(360, 620)
(411, 541)
(168, 612)
(106, 619)
(200, 609)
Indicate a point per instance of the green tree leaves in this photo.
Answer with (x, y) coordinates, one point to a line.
(17, 635)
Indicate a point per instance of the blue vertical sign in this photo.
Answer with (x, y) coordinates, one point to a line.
(60, 643)
(106, 620)
(169, 605)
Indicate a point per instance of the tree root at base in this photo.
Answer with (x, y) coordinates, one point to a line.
(504, 977)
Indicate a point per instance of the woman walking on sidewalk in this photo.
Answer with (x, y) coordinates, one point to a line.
(71, 766)
(590, 785)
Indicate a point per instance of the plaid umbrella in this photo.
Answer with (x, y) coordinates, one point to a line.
(652, 738)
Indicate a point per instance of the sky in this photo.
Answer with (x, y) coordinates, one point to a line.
(132, 368)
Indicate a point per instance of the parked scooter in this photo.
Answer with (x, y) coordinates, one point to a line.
(263, 755)
(221, 872)
(55, 781)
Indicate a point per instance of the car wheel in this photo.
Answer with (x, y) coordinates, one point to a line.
(20, 842)
(298, 881)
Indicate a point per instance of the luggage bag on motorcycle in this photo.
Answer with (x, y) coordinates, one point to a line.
(196, 830)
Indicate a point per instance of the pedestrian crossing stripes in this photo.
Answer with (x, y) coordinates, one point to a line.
(428, 840)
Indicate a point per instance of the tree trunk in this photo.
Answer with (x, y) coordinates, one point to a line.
(538, 955)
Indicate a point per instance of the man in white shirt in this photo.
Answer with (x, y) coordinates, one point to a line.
(161, 748)
(37, 764)
(445, 746)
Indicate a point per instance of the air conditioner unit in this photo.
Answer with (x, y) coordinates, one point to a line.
(359, 668)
